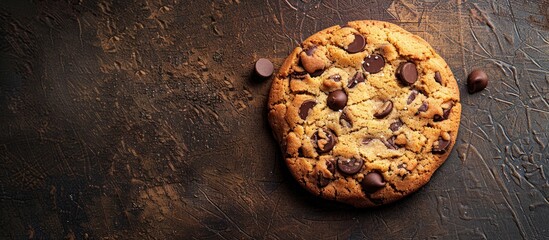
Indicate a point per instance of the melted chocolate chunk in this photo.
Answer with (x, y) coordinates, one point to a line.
(390, 143)
(317, 73)
(445, 113)
(305, 107)
(373, 63)
(407, 73)
(323, 181)
(384, 110)
(367, 140)
(441, 146)
(324, 141)
(330, 165)
(357, 45)
(349, 166)
(345, 120)
(372, 182)
(412, 96)
(357, 78)
(298, 75)
(423, 108)
(438, 78)
(396, 125)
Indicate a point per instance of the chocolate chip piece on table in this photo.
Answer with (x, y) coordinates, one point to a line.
(407, 73)
(440, 146)
(349, 166)
(372, 182)
(373, 63)
(357, 78)
(263, 68)
(337, 100)
(396, 125)
(477, 81)
(357, 45)
(324, 140)
(384, 110)
(305, 107)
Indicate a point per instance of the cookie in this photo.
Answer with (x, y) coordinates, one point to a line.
(364, 113)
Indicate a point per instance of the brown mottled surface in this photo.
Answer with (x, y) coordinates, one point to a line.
(139, 120)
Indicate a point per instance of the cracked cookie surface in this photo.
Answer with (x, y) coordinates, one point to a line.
(364, 113)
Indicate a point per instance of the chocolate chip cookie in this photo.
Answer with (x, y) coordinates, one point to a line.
(364, 113)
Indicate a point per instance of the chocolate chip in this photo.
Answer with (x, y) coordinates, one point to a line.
(384, 110)
(349, 166)
(263, 68)
(330, 165)
(357, 45)
(310, 51)
(407, 73)
(345, 120)
(424, 106)
(373, 63)
(372, 182)
(438, 78)
(305, 107)
(337, 100)
(445, 112)
(441, 146)
(477, 81)
(357, 78)
(317, 73)
(335, 78)
(390, 143)
(323, 181)
(367, 140)
(412, 96)
(396, 125)
(298, 75)
(324, 141)
(300, 152)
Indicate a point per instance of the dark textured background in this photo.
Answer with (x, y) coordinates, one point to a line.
(138, 119)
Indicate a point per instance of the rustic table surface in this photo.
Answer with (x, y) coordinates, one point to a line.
(140, 120)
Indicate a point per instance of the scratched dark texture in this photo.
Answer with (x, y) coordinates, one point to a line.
(139, 120)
